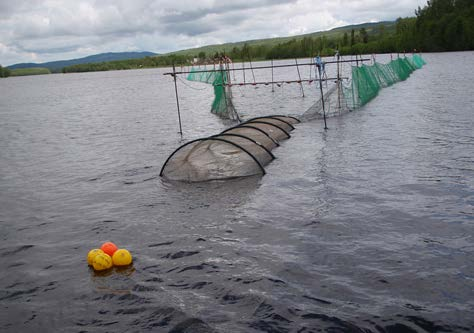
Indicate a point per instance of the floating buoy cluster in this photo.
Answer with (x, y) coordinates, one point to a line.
(107, 256)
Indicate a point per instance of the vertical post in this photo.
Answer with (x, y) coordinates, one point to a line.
(243, 68)
(251, 67)
(273, 90)
(229, 106)
(352, 88)
(177, 100)
(229, 80)
(322, 94)
(224, 87)
(299, 75)
(233, 70)
(338, 81)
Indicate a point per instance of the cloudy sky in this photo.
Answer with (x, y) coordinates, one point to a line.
(48, 30)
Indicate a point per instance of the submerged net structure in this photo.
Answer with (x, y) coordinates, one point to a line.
(245, 149)
(239, 151)
(368, 80)
(334, 104)
(222, 104)
(365, 84)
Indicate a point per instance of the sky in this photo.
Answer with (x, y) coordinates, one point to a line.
(49, 30)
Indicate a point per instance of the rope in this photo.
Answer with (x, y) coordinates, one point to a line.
(189, 86)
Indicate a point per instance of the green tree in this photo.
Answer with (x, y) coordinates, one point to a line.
(345, 39)
(4, 72)
(245, 52)
(381, 30)
(235, 53)
(364, 35)
(306, 46)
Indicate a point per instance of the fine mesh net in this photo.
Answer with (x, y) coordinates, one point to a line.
(255, 134)
(275, 132)
(367, 81)
(222, 104)
(334, 104)
(260, 152)
(418, 61)
(287, 119)
(286, 126)
(239, 151)
(210, 159)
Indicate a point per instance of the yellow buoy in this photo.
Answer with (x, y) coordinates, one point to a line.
(102, 261)
(92, 254)
(122, 257)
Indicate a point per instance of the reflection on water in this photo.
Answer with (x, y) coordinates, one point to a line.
(364, 228)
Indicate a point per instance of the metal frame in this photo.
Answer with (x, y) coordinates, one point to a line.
(210, 139)
(250, 139)
(267, 123)
(255, 128)
(271, 117)
(249, 124)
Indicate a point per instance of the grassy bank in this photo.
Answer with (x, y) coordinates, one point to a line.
(29, 71)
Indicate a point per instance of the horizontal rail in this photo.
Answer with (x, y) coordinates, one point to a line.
(264, 67)
(279, 82)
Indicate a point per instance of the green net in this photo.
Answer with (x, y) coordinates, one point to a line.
(222, 104)
(368, 80)
(418, 61)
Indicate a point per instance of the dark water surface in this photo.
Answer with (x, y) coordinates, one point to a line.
(368, 227)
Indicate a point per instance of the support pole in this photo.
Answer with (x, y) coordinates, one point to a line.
(251, 67)
(299, 76)
(177, 100)
(273, 90)
(338, 82)
(227, 70)
(224, 87)
(322, 95)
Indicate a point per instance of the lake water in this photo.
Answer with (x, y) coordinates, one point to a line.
(365, 227)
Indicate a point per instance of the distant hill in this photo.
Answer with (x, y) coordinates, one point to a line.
(56, 66)
(371, 28)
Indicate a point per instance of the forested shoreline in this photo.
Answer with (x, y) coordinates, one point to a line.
(441, 25)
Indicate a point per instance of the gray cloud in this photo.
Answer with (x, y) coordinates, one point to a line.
(46, 30)
(222, 8)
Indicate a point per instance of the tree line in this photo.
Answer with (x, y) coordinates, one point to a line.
(4, 72)
(147, 62)
(441, 25)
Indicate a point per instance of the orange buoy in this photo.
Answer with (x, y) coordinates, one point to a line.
(109, 248)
